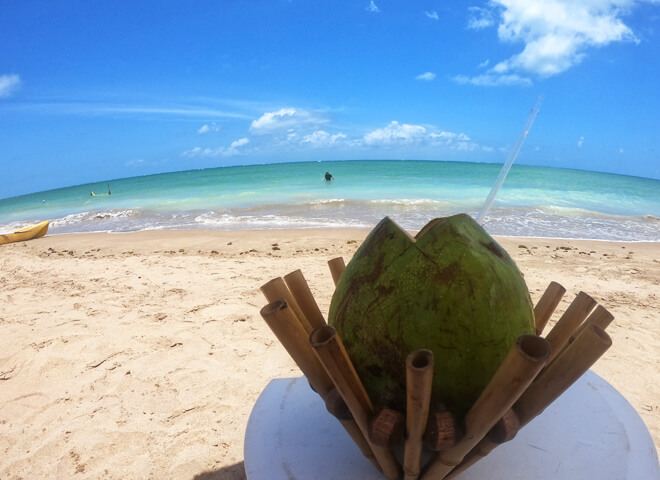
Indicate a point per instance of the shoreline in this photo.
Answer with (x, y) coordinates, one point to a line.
(346, 229)
(141, 354)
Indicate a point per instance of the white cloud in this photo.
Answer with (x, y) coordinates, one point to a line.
(285, 120)
(494, 80)
(395, 134)
(484, 64)
(432, 15)
(556, 35)
(206, 128)
(235, 145)
(372, 7)
(580, 142)
(230, 151)
(9, 84)
(480, 18)
(450, 136)
(453, 141)
(428, 76)
(322, 139)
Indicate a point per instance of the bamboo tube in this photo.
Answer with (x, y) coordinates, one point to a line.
(332, 355)
(547, 305)
(337, 267)
(276, 289)
(387, 428)
(576, 359)
(503, 431)
(599, 317)
(303, 295)
(588, 347)
(524, 360)
(356, 434)
(295, 340)
(442, 430)
(419, 383)
(576, 312)
(338, 409)
(293, 337)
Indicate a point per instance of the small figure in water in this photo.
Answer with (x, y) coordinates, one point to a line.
(328, 177)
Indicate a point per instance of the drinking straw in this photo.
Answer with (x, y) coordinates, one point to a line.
(512, 157)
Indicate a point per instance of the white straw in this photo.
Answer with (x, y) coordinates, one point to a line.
(512, 157)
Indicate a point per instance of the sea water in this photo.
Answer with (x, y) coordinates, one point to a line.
(533, 201)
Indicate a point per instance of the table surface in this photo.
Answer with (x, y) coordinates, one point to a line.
(591, 431)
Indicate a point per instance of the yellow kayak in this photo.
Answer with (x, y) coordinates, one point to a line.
(27, 233)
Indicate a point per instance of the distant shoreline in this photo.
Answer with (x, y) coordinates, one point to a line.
(363, 231)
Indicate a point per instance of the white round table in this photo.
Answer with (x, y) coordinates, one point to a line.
(590, 432)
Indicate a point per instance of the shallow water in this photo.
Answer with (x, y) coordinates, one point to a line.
(534, 201)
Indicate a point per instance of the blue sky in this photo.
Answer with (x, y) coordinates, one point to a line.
(91, 91)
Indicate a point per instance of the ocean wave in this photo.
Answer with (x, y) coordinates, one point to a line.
(236, 222)
(93, 216)
(412, 214)
(563, 222)
(327, 201)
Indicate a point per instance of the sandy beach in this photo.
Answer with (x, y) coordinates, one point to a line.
(141, 355)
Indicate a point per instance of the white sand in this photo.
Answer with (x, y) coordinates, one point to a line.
(141, 355)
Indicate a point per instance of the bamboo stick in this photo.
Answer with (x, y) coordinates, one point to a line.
(332, 355)
(337, 267)
(524, 360)
(576, 312)
(356, 434)
(276, 289)
(503, 431)
(338, 409)
(571, 363)
(599, 317)
(303, 295)
(419, 384)
(293, 337)
(547, 305)
(578, 357)
(295, 340)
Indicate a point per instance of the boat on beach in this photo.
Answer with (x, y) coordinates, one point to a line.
(27, 233)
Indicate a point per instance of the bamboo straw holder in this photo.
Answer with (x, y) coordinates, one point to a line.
(537, 370)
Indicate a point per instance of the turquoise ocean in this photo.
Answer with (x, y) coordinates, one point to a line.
(533, 201)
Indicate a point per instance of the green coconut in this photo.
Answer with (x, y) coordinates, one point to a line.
(451, 289)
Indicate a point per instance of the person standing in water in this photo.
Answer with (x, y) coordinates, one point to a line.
(328, 177)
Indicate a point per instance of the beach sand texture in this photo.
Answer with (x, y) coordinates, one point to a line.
(141, 355)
